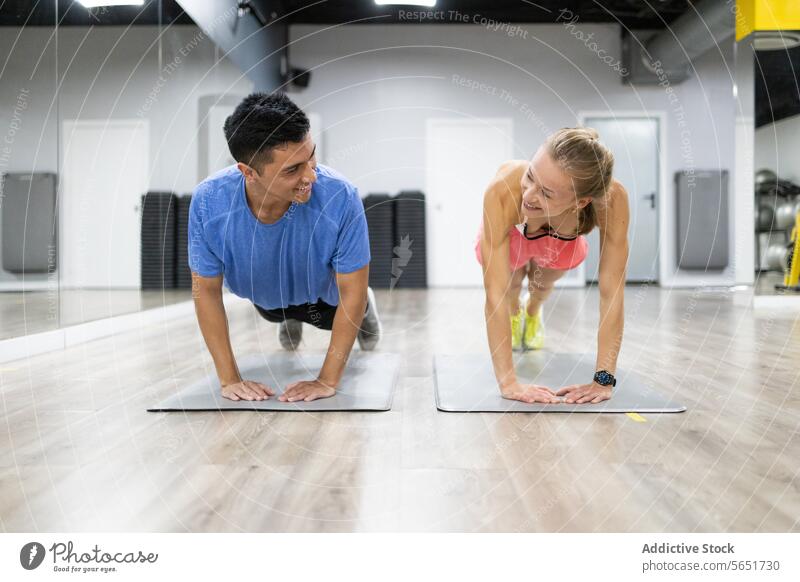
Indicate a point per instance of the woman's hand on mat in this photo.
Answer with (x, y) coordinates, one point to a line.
(247, 390)
(307, 390)
(583, 393)
(529, 393)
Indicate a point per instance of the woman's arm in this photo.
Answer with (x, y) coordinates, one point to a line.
(613, 220)
(498, 215)
(495, 249)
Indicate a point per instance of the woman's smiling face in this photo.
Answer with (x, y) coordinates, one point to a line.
(547, 189)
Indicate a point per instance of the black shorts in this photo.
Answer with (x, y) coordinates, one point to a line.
(318, 314)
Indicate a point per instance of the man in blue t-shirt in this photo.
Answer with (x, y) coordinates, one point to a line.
(287, 234)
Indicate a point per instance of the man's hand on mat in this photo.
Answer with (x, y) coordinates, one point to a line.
(529, 393)
(583, 393)
(307, 390)
(247, 390)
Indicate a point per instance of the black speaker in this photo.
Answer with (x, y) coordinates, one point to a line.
(300, 78)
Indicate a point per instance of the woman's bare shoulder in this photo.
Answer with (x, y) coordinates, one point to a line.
(506, 182)
(616, 195)
(502, 198)
(612, 209)
(512, 169)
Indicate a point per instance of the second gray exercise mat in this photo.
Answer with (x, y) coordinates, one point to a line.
(466, 383)
(368, 384)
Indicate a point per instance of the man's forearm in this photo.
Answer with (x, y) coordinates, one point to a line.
(346, 324)
(213, 322)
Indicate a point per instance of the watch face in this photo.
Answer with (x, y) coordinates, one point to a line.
(603, 378)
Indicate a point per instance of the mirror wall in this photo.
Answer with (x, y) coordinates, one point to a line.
(29, 286)
(110, 116)
(776, 156)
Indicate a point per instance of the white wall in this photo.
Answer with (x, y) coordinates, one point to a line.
(111, 72)
(375, 86)
(778, 148)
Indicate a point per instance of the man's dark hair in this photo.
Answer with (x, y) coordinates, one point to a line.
(261, 122)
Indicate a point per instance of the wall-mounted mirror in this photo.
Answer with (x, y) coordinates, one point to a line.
(776, 161)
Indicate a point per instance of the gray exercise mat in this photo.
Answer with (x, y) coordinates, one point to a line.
(368, 384)
(466, 383)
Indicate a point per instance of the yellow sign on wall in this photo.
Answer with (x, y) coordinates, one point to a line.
(754, 15)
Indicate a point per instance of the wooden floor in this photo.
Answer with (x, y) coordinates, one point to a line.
(78, 452)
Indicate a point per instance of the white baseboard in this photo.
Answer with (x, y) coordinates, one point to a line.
(777, 302)
(34, 344)
(27, 285)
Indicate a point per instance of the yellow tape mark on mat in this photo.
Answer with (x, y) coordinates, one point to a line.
(636, 416)
(8, 369)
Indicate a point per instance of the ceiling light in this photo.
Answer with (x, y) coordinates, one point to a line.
(776, 40)
(98, 3)
(430, 3)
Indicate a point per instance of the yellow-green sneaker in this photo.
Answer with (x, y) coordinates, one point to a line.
(516, 329)
(534, 331)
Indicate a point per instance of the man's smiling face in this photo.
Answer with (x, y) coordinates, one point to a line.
(290, 174)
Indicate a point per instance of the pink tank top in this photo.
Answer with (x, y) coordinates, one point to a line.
(549, 249)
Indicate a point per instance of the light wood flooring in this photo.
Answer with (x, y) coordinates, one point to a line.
(78, 452)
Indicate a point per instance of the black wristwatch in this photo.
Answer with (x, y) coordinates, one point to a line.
(605, 378)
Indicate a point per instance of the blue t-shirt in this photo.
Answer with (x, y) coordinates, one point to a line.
(290, 262)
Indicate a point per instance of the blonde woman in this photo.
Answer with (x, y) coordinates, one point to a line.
(535, 216)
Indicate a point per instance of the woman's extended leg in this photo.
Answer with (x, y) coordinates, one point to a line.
(514, 288)
(515, 311)
(540, 284)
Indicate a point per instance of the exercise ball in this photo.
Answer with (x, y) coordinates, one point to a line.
(764, 216)
(784, 216)
(776, 257)
(765, 176)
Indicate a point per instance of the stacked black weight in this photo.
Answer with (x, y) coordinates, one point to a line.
(378, 209)
(183, 274)
(409, 229)
(158, 240)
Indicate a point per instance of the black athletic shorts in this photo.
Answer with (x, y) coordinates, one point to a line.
(318, 314)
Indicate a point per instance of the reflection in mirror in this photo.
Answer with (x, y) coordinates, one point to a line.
(29, 298)
(98, 173)
(777, 166)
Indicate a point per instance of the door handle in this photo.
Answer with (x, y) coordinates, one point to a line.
(652, 198)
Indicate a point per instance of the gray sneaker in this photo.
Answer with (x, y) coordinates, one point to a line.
(290, 332)
(370, 331)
